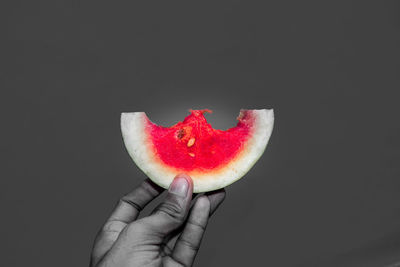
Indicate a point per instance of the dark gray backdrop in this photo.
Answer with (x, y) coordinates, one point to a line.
(325, 193)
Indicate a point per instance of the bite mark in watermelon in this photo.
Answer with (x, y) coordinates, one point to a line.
(213, 158)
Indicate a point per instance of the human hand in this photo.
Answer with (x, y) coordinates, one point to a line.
(169, 237)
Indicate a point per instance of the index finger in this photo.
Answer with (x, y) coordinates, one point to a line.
(130, 205)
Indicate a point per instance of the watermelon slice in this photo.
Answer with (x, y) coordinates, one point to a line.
(213, 158)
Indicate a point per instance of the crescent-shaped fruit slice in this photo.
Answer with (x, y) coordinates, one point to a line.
(213, 158)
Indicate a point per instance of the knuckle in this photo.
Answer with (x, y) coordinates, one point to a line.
(114, 226)
(131, 202)
(172, 210)
(194, 246)
(196, 226)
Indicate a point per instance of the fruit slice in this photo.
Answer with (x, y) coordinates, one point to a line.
(213, 158)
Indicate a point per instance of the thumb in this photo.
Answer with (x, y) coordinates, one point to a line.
(172, 212)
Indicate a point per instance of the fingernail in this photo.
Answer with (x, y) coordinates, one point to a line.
(179, 186)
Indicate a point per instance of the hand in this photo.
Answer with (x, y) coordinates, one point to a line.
(170, 236)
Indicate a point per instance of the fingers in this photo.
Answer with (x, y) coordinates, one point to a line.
(216, 198)
(127, 210)
(188, 243)
(172, 212)
(131, 204)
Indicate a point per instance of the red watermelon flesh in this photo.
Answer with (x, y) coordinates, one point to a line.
(213, 158)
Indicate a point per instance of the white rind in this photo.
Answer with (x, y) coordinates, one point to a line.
(136, 141)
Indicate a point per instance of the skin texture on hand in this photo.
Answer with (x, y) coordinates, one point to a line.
(170, 236)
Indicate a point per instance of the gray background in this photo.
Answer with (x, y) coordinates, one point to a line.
(325, 193)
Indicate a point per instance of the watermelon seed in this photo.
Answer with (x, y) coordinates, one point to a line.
(191, 154)
(191, 142)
